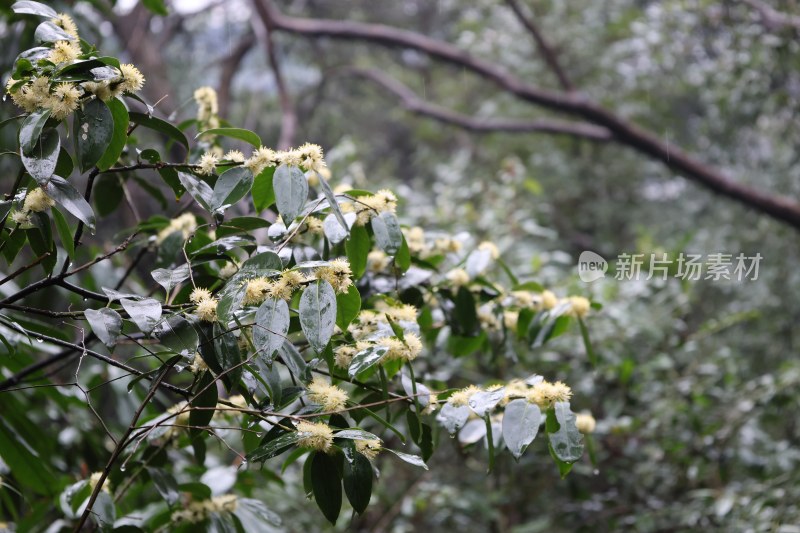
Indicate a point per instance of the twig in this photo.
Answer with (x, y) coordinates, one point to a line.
(24, 268)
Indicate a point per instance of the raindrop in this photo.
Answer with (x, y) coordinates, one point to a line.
(122, 468)
(85, 299)
(596, 472)
(259, 434)
(39, 339)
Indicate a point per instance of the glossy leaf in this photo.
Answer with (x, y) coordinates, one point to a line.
(358, 247)
(327, 485)
(366, 359)
(41, 161)
(27, 7)
(291, 192)
(566, 442)
(231, 186)
(119, 134)
(106, 324)
(318, 314)
(521, 421)
(272, 324)
(161, 126)
(145, 313)
(357, 480)
(67, 196)
(348, 305)
(234, 133)
(171, 278)
(388, 235)
(93, 129)
(31, 129)
(263, 191)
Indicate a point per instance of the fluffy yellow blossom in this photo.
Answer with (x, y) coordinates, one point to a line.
(37, 201)
(585, 423)
(22, 218)
(314, 226)
(132, 79)
(488, 319)
(207, 106)
(30, 95)
(377, 261)
(369, 448)
(198, 365)
(382, 201)
(516, 388)
(94, 479)
(207, 310)
(63, 101)
(186, 224)
(579, 306)
(445, 245)
(415, 238)
(234, 155)
(330, 397)
(545, 394)
(343, 356)
(490, 247)
(311, 157)
(549, 300)
(315, 435)
(461, 397)
(458, 277)
(510, 319)
(19, 96)
(196, 512)
(101, 89)
(524, 299)
(228, 270)
(64, 51)
(208, 163)
(337, 273)
(66, 23)
(262, 158)
(398, 312)
(283, 287)
(199, 294)
(256, 291)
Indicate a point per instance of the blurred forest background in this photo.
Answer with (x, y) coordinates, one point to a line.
(696, 394)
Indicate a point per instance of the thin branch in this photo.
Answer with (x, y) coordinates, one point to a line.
(771, 18)
(288, 114)
(22, 269)
(414, 104)
(547, 52)
(783, 209)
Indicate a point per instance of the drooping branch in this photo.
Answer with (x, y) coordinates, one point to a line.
(288, 114)
(547, 52)
(623, 131)
(410, 101)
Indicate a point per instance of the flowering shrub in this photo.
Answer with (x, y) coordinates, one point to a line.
(294, 330)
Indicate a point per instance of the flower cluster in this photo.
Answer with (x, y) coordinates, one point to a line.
(196, 512)
(369, 448)
(367, 207)
(36, 201)
(185, 223)
(94, 479)
(207, 108)
(585, 423)
(308, 157)
(330, 397)
(315, 436)
(372, 329)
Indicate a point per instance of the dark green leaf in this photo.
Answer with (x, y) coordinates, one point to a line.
(348, 305)
(234, 133)
(272, 324)
(291, 192)
(104, 512)
(31, 129)
(178, 335)
(106, 324)
(64, 233)
(231, 186)
(263, 192)
(274, 447)
(26, 7)
(206, 399)
(587, 343)
(566, 442)
(420, 434)
(358, 247)
(165, 484)
(388, 235)
(64, 165)
(28, 467)
(119, 134)
(107, 194)
(93, 129)
(366, 359)
(65, 194)
(199, 189)
(156, 6)
(145, 313)
(327, 485)
(358, 482)
(41, 162)
(160, 126)
(171, 278)
(521, 422)
(318, 314)
(226, 348)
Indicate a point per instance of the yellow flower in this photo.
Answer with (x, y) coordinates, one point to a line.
(516, 388)
(549, 300)
(369, 448)
(186, 224)
(262, 158)
(398, 312)
(196, 512)
(585, 423)
(330, 397)
(66, 23)
(382, 201)
(343, 356)
(461, 397)
(132, 79)
(523, 299)
(228, 270)
(314, 226)
(311, 157)
(207, 106)
(22, 218)
(94, 479)
(256, 291)
(579, 306)
(199, 294)
(545, 394)
(446, 245)
(198, 364)
(101, 89)
(377, 261)
(337, 273)
(458, 277)
(234, 155)
(510, 319)
(415, 238)
(207, 310)
(64, 51)
(63, 101)
(489, 247)
(315, 435)
(208, 163)
(37, 201)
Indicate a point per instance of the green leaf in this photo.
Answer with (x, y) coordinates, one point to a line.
(29, 469)
(41, 162)
(253, 514)
(348, 305)
(165, 484)
(31, 129)
(318, 314)
(206, 398)
(453, 417)
(107, 194)
(465, 316)
(234, 133)
(104, 512)
(327, 485)
(93, 129)
(226, 348)
(566, 442)
(161, 126)
(415, 460)
(171, 278)
(263, 191)
(119, 134)
(274, 447)
(199, 189)
(65, 194)
(485, 401)
(26, 7)
(145, 313)
(64, 233)
(421, 434)
(64, 165)
(357, 478)
(156, 6)
(366, 359)
(47, 32)
(587, 343)
(177, 335)
(231, 186)
(388, 234)
(358, 246)
(270, 328)
(106, 324)
(335, 209)
(521, 422)
(291, 192)
(403, 257)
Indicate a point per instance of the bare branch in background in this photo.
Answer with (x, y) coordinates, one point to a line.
(627, 133)
(288, 114)
(230, 66)
(771, 18)
(414, 104)
(547, 51)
